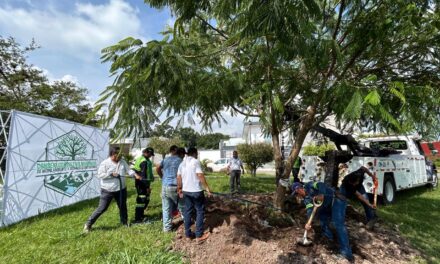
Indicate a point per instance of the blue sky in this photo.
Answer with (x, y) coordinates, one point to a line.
(72, 33)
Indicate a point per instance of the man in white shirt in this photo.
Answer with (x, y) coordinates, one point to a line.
(190, 177)
(111, 172)
(234, 171)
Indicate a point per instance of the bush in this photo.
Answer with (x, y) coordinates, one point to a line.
(255, 155)
(162, 145)
(205, 167)
(317, 150)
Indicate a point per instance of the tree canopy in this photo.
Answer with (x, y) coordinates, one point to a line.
(25, 87)
(290, 63)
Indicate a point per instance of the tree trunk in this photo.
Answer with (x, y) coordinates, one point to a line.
(300, 135)
(277, 157)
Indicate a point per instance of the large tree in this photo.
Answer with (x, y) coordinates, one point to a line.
(25, 87)
(289, 63)
(211, 140)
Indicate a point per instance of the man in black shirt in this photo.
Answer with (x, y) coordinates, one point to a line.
(352, 187)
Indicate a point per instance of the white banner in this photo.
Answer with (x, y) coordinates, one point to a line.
(51, 163)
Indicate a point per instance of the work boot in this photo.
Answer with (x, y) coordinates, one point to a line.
(202, 238)
(190, 237)
(87, 229)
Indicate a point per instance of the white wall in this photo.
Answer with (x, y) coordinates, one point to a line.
(212, 155)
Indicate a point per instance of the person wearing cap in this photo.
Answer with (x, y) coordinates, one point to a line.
(143, 169)
(167, 171)
(332, 209)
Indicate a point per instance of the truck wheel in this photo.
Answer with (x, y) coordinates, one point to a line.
(389, 191)
(434, 183)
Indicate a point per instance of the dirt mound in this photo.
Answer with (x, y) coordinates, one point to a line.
(247, 233)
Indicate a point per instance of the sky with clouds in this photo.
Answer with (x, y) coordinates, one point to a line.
(72, 33)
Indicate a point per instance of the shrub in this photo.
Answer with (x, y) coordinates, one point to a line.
(317, 150)
(255, 155)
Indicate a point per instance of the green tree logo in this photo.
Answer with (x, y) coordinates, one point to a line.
(71, 146)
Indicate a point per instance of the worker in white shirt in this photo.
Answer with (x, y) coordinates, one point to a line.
(234, 172)
(190, 179)
(112, 186)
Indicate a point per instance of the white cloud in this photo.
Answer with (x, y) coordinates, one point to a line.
(81, 33)
(70, 78)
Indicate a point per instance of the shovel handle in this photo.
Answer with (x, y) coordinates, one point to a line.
(315, 208)
(376, 185)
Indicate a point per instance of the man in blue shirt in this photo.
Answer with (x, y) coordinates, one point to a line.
(333, 207)
(168, 173)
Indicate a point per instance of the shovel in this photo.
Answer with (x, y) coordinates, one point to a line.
(376, 185)
(304, 241)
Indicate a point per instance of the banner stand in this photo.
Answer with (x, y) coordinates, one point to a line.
(46, 163)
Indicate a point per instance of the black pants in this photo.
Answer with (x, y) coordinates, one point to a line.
(295, 173)
(234, 180)
(104, 202)
(142, 199)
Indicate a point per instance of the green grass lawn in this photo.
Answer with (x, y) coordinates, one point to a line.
(416, 212)
(55, 237)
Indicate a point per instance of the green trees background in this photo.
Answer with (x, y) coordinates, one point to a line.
(25, 87)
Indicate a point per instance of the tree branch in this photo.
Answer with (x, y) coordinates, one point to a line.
(212, 27)
(243, 113)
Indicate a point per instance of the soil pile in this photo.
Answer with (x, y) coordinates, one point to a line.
(248, 233)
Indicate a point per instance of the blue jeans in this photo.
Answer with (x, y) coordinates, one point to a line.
(338, 220)
(170, 202)
(325, 215)
(194, 201)
(369, 212)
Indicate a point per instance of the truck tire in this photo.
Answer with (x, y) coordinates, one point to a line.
(389, 191)
(434, 183)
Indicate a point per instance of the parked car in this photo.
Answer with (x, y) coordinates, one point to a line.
(219, 165)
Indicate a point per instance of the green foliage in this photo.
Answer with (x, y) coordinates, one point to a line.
(205, 167)
(163, 130)
(188, 136)
(317, 150)
(370, 63)
(25, 87)
(162, 145)
(255, 155)
(128, 157)
(210, 141)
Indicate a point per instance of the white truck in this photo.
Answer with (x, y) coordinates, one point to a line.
(401, 166)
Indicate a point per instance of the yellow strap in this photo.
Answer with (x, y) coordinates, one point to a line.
(309, 206)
